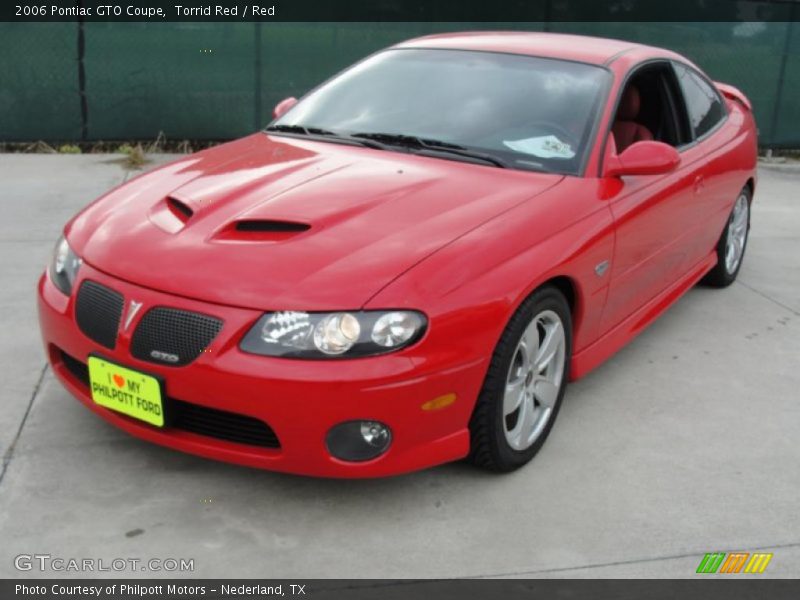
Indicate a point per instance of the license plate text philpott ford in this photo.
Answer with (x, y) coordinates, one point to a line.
(127, 391)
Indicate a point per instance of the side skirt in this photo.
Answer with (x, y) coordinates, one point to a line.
(593, 355)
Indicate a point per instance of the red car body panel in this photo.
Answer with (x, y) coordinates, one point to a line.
(463, 243)
(382, 211)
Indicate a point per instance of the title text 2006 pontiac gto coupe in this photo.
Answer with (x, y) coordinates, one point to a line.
(408, 265)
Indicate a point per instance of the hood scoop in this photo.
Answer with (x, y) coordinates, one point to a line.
(261, 230)
(180, 209)
(170, 214)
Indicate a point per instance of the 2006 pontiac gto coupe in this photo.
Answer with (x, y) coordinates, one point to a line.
(408, 265)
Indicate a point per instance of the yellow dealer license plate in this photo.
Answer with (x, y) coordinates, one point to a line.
(127, 391)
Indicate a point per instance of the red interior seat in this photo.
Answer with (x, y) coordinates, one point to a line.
(626, 129)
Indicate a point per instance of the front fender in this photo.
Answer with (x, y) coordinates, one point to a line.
(470, 288)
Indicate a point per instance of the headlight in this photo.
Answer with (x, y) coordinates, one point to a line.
(293, 334)
(64, 266)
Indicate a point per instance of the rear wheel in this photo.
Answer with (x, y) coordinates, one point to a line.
(732, 243)
(524, 385)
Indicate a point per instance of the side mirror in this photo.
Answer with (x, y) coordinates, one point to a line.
(282, 107)
(643, 158)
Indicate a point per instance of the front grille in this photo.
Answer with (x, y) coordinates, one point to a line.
(98, 310)
(209, 422)
(169, 336)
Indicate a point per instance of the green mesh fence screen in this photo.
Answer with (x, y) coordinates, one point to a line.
(221, 80)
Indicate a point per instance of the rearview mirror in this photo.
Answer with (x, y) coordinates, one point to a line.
(643, 158)
(282, 107)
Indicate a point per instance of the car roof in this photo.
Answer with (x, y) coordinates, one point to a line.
(581, 48)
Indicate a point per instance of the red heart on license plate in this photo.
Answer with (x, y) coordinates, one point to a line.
(119, 380)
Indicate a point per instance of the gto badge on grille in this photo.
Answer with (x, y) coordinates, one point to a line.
(133, 308)
(165, 356)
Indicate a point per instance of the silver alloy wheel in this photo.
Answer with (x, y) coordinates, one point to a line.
(737, 233)
(534, 380)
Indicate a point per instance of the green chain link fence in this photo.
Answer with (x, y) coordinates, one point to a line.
(209, 81)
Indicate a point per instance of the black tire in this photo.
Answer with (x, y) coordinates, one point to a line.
(720, 276)
(489, 447)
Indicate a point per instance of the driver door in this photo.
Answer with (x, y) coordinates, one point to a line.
(654, 214)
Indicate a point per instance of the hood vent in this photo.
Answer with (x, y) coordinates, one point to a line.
(265, 226)
(179, 209)
(262, 230)
(170, 214)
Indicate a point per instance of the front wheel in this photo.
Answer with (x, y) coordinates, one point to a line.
(732, 243)
(524, 385)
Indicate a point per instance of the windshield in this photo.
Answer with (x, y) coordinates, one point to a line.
(528, 112)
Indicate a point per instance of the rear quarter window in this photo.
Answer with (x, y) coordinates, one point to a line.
(703, 103)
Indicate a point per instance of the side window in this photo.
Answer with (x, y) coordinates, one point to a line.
(703, 104)
(646, 109)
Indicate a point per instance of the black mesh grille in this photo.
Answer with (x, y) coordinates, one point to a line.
(177, 336)
(78, 369)
(98, 310)
(222, 425)
(210, 422)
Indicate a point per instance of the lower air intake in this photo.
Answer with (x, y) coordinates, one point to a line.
(201, 420)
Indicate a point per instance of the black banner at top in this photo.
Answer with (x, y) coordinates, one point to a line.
(399, 10)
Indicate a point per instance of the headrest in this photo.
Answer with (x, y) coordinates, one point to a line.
(629, 105)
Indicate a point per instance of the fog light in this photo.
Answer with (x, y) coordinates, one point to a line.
(356, 441)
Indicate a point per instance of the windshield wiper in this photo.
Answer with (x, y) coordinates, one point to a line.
(299, 129)
(380, 141)
(318, 132)
(436, 146)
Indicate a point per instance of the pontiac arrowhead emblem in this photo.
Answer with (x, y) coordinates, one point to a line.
(133, 308)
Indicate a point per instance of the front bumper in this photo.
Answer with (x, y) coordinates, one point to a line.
(299, 400)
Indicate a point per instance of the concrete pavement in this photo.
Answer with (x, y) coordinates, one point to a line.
(685, 442)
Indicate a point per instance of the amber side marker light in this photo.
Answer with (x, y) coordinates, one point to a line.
(440, 402)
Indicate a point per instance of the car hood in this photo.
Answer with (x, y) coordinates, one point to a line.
(270, 222)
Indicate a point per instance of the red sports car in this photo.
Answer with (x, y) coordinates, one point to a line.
(408, 265)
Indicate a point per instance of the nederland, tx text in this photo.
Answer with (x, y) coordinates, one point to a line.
(126, 589)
